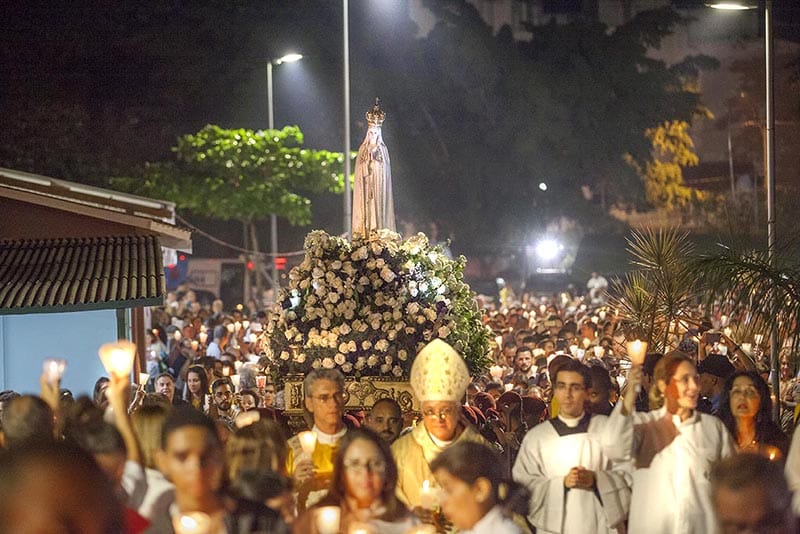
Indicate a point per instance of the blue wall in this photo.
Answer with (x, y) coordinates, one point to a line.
(26, 340)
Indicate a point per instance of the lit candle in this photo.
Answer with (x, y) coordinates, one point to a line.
(192, 523)
(177, 335)
(599, 351)
(583, 307)
(143, 378)
(203, 337)
(261, 381)
(508, 387)
(230, 328)
(573, 349)
(499, 341)
(636, 351)
(237, 326)
(238, 366)
(723, 320)
(602, 314)
(595, 319)
(359, 528)
(235, 381)
(308, 441)
(245, 324)
(747, 347)
(118, 357)
(542, 308)
(226, 371)
(427, 499)
(727, 331)
(496, 371)
(327, 519)
(195, 344)
(203, 328)
(580, 353)
(53, 369)
(758, 338)
(586, 342)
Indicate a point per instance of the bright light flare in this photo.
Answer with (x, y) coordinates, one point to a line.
(730, 6)
(289, 58)
(547, 249)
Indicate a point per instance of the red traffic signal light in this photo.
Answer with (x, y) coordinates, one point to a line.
(250, 265)
(280, 263)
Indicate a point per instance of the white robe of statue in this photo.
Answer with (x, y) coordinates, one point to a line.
(373, 206)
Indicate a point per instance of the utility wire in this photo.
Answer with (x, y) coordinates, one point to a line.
(218, 241)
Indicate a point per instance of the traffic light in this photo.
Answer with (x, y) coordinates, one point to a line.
(280, 263)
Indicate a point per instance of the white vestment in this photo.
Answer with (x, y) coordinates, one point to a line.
(673, 494)
(793, 471)
(546, 457)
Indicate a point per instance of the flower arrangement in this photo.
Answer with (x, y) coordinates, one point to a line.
(367, 306)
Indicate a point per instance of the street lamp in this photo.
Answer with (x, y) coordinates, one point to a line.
(769, 157)
(273, 219)
(348, 209)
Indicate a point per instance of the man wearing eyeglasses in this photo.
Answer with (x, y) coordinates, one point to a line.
(323, 391)
(439, 378)
(574, 486)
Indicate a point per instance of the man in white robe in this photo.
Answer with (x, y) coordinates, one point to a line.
(574, 486)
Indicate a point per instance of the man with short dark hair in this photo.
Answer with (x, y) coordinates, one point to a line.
(386, 419)
(222, 399)
(574, 486)
(750, 494)
(523, 362)
(165, 386)
(713, 371)
(26, 418)
(192, 457)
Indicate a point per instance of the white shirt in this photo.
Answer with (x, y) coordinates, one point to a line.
(494, 522)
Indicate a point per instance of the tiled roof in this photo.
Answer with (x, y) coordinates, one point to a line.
(80, 274)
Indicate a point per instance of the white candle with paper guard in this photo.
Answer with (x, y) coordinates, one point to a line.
(308, 441)
(496, 371)
(53, 369)
(327, 519)
(143, 378)
(427, 497)
(758, 338)
(118, 358)
(203, 336)
(637, 350)
(599, 352)
(235, 381)
(192, 523)
(245, 324)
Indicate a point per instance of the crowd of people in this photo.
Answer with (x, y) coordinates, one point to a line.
(561, 434)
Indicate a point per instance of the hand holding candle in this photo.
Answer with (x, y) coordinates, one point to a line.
(192, 523)
(427, 497)
(308, 441)
(637, 350)
(327, 519)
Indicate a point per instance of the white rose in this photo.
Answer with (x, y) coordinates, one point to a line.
(392, 335)
(376, 247)
(402, 355)
(347, 367)
(317, 273)
(397, 371)
(410, 330)
(376, 325)
(412, 308)
(380, 262)
(327, 363)
(333, 297)
(382, 345)
(387, 274)
(300, 358)
(361, 363)
(388, 359)
(359, 254)
(336, 265)
(363, 327)
(291, 315)
(427, 335)
(443, 331)
(372, 361)
(284, 355)
(344, 329)
(386, 368)
(397, 315)
(420, 319)
(339, 358)
(371, 265)
(351, 346)
(366, 344)
(430, 314)
(343, 347)
(315, 364)
(363, 281)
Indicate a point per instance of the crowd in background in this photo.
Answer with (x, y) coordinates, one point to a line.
(560, 434)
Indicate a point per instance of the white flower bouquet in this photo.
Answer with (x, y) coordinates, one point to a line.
(367, 306)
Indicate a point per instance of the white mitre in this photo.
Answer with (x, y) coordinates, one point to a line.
(439, 373)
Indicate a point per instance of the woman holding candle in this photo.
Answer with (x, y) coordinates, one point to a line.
(475, 496)
(196, 387)
(363, 488)
(673, 449)
(746, 410)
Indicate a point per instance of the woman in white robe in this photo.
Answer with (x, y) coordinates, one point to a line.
(673, 449)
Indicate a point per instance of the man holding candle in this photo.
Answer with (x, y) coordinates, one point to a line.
(323, 391)
(439, 378)
(574, 486)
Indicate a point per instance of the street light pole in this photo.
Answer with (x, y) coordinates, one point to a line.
(273, 219)
(346, 59)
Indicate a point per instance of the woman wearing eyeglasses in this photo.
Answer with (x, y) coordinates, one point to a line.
(746, 409)
(673, 449)
(363, 487)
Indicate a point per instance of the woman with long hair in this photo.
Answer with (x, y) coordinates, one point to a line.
(746, 409)
(476, 496)
(363, 486)
(673, 448)
(196, 387)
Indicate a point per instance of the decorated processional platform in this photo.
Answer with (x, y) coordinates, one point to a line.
(367, 305)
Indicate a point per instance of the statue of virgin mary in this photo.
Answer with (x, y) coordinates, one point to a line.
(373, 207)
